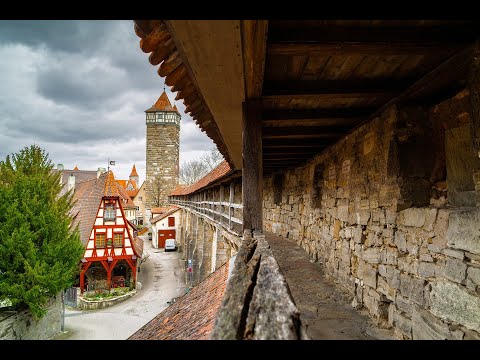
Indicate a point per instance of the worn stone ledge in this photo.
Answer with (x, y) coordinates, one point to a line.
(257, 303)
(85, 304)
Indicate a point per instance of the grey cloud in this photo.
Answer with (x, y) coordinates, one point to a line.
(79, 89)
(66, 35)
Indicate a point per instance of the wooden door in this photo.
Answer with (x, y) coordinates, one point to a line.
(164, 235)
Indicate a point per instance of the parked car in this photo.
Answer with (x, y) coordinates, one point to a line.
(170, 245)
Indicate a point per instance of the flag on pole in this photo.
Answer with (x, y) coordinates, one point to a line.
(112, 162)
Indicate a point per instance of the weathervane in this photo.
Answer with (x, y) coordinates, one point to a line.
(110, 162)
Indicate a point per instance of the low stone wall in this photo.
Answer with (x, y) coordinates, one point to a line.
(374, 211)
(257, 303)
(85, 304)
(21, 325)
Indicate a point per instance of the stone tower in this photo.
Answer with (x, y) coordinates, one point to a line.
(163, 138)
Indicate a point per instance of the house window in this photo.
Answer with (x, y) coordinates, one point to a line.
(140, 198)
(109, 212)
(137, 208)
(100, 240)
(171, 221)
(118, 240)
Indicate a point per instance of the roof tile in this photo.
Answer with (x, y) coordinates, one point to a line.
(192, 316)
(220, 171)
(162, 104)
(134, 171)
(169, 212)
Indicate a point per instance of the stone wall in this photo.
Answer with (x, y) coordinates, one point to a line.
(21, 325)
(162, 162)
(206, 244)
(375, 211)
(257, 304)
(85, 304)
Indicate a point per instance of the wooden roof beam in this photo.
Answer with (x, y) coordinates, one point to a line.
(254, 41)
(330, 40)
(303, 133)
(289, 151)
(314, 87)
(417, 35)
(295, 143)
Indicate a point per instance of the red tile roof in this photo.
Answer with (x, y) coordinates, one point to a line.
(162, 104)
(122, 183)
(124, 194)
(80, 176)
(159, 210)
(132, 193)
(88, 195)
(138, 245)
(76, 168)
(134, 171)
(220, 171)
(111, 188)
(192, 316)
(175, 108)
(164, 215)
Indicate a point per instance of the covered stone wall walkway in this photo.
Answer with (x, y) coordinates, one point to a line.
(325, 308)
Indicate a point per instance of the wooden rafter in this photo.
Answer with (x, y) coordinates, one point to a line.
(328, 40)
(303, 133)
(314, 87)
(413, 37)
(254, 40)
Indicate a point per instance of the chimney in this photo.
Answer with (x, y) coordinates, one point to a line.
(100, 171)
(71, 183)
(60, 167)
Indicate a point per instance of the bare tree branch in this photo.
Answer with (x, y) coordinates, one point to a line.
(193, 170)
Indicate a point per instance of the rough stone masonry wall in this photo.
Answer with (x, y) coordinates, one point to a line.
(161, 161)
(21, 325)
(374, 210)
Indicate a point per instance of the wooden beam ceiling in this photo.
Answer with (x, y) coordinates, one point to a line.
(340, 87)
(443, 34)
(369, 41)
(307, 118)
(304, 133)
(296, 143)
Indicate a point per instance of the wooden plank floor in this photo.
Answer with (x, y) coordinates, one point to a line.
(325, 308)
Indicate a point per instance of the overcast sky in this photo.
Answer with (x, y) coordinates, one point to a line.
(79, 90)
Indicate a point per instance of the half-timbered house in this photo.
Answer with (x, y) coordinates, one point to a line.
(112, 248)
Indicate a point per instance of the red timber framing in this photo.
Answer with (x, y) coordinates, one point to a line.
(109, 255)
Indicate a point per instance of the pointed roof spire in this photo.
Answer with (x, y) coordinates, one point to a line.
(175, 108)
(162, 104)
(76, 168)
(110, 185)
(134, 171)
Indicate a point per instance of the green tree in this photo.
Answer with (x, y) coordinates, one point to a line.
(39, 252)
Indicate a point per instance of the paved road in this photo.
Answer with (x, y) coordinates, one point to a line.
(162, 279)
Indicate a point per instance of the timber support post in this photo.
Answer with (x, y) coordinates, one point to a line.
(473, 84)
(252, 173)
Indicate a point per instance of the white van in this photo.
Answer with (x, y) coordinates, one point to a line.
(170, 245)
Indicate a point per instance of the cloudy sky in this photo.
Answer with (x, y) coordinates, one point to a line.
(79, 89)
